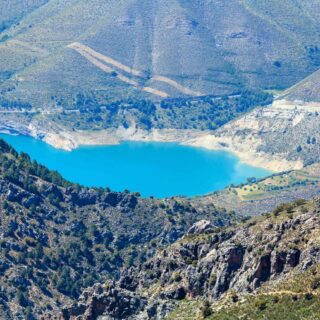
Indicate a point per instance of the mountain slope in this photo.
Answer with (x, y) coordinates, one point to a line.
(308, 90)
(236, 269)
(281, 136)
(14, 11)
(58, 238)
(178, 48)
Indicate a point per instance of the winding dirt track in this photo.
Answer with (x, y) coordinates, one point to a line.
(97, 58)
(176, 85)
(80, 47)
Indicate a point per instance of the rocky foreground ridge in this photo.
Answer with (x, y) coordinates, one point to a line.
(57, 238)
(212, 263)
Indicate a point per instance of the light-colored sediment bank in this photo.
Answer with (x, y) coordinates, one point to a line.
(69, 140)
(61, 138)
(259, 128)
(248, 155)
(243, 136)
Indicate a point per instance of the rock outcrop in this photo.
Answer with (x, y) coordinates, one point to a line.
(208, 263)
(57, 238)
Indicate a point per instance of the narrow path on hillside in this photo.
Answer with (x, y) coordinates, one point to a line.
(284, 292)
(27, 46)
(176, 85)
(87, 54)
(85, 49)
(117, 64)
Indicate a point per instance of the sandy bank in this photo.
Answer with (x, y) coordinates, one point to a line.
(71, 140)
(258, 159)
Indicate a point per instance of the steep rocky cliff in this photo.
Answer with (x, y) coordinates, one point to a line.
(212, 263)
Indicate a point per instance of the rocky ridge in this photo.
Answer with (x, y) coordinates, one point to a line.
(57, 238)
(210, 263)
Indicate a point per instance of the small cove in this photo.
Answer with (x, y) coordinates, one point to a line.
(151, 168)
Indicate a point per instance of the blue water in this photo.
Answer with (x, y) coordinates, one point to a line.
(157, 169)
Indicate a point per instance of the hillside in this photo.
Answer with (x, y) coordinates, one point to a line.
(293, 298)
(153, 49)
(267, 267)
(58, 238)
(281, 137)
(12, 13)
(256, 197)
(89, 122)
(308, 90)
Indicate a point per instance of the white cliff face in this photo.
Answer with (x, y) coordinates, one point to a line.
(270, 136)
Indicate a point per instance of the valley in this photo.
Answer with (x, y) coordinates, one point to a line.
(120, 76)
(159, 160)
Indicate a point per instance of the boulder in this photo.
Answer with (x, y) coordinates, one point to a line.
(203, 226)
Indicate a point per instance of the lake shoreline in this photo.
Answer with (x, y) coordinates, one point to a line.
(71, 140)
(156, 168)
(194, 138)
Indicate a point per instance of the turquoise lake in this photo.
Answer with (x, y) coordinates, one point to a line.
(151, 168)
